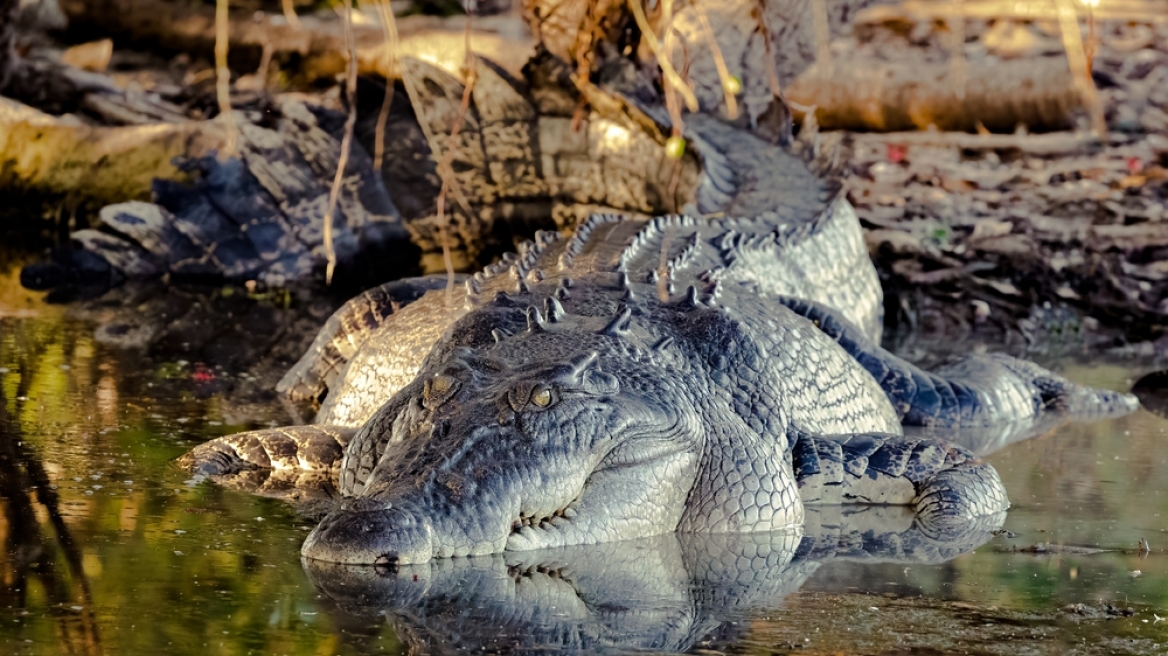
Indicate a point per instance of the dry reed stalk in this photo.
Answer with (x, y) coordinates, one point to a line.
(759, 13)
(448, 163)
(586, 30)
(443, 159)
(1092, 36)
(822, 35)
(265, 64)
(223, 79)
(445, 172)
(290, 13)
(957, 68)
(730, 84)
(1068, 19)
(346, 140)
(672, 106)
(436, 151)
(667, 70)
(389, 29)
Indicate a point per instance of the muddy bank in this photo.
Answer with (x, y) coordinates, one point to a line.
(1028, 237)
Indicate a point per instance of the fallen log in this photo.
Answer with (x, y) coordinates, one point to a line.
(1055, 143)
(859, 93)
(313, 48)
(927, 11)
(60, 156)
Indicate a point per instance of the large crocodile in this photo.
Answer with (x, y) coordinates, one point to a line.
(642, 376)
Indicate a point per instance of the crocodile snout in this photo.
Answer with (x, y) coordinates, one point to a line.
(370, 532)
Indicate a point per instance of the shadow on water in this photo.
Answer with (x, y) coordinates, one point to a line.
(1152, 390)
(108, 548)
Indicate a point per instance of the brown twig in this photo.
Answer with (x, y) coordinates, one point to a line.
(1068, 19)
(290, 14)
(1092, 35)
(957, 72)
(443, 158)
(265, 64)
(388, 27)
(759, 13)
(730, 85)
(448, 162)
(346, 140)
(822, 35)
(667, 70)
(671, 90)
(586, 32)
(223, 78)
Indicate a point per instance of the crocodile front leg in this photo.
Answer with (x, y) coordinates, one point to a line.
(944, 483)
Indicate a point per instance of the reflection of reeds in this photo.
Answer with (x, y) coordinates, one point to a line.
(23, 484)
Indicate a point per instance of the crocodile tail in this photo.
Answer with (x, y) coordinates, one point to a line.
(975, 391)
(295, 450)
(346, 331)
(1059, 393)
(997, 381)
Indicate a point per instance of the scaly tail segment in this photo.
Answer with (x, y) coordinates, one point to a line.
(308, 449)
(346, 331)
(978, 390)
(1047, 391)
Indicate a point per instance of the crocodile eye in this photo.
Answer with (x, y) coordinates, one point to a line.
(542, 397)
(437, 390)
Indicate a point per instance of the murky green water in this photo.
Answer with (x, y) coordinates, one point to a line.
(110, 549)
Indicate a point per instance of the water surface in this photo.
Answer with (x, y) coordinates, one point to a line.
(108, 548)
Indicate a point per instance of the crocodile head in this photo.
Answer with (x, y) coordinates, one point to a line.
(558, 435)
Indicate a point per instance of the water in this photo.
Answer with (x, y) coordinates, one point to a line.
(110, 549)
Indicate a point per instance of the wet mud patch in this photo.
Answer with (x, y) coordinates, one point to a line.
(825, 623)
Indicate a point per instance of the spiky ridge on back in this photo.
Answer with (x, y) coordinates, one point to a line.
(687, 256)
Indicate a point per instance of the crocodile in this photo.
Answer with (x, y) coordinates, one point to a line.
(712, 372)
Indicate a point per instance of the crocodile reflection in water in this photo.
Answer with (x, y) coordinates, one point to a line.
(671, 592)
